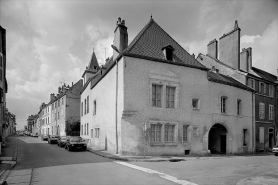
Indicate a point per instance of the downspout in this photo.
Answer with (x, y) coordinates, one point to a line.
(253, 125)
(116, 108)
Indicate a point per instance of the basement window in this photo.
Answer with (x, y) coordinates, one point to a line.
(168, 52)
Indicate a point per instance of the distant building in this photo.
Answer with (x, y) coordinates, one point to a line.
(64, 108)
(152, 96)
(230, 61)
(9, 127)
(3, 80)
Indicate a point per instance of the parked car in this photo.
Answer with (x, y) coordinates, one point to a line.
(75, 142)
(44, 137)
(52, 139)
(62, 141)
(275, 150)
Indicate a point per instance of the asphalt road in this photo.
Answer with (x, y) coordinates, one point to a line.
(51, 164)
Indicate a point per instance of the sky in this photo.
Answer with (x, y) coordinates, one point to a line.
(50, 42)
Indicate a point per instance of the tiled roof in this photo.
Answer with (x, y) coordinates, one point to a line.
(149, 42)
(223, 79)
(265, 75)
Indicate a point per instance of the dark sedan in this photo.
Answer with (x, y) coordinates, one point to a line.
(62, 141)
(52, 139)
(44, 137)
(75, 142)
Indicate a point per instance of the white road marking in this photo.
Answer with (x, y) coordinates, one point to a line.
(162, 175)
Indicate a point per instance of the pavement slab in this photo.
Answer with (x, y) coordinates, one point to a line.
(21, 172)
(6, 158)
(8, 162)
(19, 179)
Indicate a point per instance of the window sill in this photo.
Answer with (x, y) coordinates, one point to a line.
(163, 144)
(197, 109)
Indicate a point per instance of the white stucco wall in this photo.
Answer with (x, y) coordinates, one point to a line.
(190, 83)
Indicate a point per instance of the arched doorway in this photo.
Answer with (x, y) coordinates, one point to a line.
(218, 139)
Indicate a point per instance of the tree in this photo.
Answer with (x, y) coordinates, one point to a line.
(72, 127)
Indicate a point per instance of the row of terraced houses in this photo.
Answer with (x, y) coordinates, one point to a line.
(153, 96)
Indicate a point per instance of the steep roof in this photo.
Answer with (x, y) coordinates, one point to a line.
(223, 79)
(265, 75)
(149, 42)
(93, 66)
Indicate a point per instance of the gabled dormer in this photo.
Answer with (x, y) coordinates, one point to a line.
(91, 69)
(168, 52)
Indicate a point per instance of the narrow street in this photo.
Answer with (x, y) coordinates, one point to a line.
(49, 164)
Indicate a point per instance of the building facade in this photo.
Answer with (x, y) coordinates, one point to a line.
(3, 81)
(230, 61)
(153, 97)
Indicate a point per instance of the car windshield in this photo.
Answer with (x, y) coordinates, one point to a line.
(54, 136)
(76, 139)
(63, 138)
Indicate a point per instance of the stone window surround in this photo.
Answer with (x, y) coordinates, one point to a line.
(164, 81)
(163, 123)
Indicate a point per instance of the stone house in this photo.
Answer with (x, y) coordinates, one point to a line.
(230, 61)
(153, 97)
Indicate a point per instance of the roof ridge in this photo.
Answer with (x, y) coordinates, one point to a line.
(264, 71)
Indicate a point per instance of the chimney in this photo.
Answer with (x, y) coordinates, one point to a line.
(120, 37)
(249, 60)
(212, 48)
(59, 90)
(193, 55)
(244, 60)
(52, 96)
(229, 48)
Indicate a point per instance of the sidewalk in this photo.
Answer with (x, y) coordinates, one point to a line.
(8, 158)
(106, 154)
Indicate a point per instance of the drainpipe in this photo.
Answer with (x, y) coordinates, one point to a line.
(253, 125)
(116, 103)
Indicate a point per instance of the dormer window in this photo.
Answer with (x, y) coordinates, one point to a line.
(168, 52)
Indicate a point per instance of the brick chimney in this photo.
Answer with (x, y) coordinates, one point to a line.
(120, 37)
(52, 96)
(212, 48)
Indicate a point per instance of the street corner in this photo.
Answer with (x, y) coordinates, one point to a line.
(262, 180)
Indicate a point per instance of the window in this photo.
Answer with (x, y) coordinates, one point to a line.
(261, 110)
(156, 132)
(170, 97)
(185, 133)
(58, 115)
(81, 108)
(97, 132)
(261, 134)
(81, 129)
(87, 128)
(251, 83)
(195, 104)
(156, 95)
(168, 52)
(271, 112)
(85, 107)
(87, 104)
(169, 133)
(195, 131)
(95, 107)
(239, 107)
(262, 88)
(55, 104)
(62, 101)
(52, 106)
(58, 103)
(271, 91)
(223, 104)
(244, 137)
(92, 133)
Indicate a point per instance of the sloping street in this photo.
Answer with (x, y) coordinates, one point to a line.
(41, 163)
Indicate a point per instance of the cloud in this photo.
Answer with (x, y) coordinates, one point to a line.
(264, 48)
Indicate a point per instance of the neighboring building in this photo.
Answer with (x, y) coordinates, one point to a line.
(45, 119)
(30, 123)
(3, 80)
(65, 108)
(9, 126)
(153, 95)
(238, 65)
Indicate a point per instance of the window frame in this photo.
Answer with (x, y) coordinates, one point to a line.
(239, 107)
(197, 104)
(88, 104)
(163, 133)
(95, 107)
(223, 104)
(170, 94)
(261, 111)
(271, 90)
(97, 133)
(245, 132)
(271, 112)
(156, 99)
(185, 135)
(164, 82)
